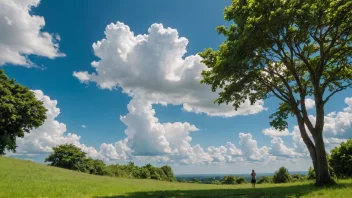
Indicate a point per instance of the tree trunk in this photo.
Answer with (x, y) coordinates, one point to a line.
(317, 153)
(322, 169)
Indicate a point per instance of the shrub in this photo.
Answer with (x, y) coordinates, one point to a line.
(341, 159)
(265, 179)
(281, 176)
(297, 178)
(216, 182)
(144, 173)
(229, 180)
(241, 180)
(311, 174)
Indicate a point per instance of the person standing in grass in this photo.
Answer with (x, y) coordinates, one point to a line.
(253, 181)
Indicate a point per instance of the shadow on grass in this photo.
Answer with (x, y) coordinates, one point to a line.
(278, 191)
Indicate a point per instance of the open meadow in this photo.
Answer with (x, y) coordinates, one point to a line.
(21, 178)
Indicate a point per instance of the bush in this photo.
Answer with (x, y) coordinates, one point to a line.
(241, 180)
(281, 176)
(265, 179)
(144, 173)
(297, 178)
(341, 159)
(216, 182)
(229, 180)
(311, 174)
(96, 167)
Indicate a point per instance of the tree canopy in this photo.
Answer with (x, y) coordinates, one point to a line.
(68, 156)
(20, 112)
(288, 49)
(341, 159)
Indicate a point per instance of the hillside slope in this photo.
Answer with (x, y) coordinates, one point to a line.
(20, 178)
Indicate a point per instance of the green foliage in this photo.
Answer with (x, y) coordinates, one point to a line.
(96, 167)
(286, 49)
(229, 180)
(20, 112)
(297, 178)
(169, 174)
(71, 157)
(144, 173)
(216, 182)
(68, 156)
(241, 180)
(341, 159)
(281, 176)
(265, 179)
(311, 173)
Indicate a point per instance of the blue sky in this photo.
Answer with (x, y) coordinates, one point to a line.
(90, 100)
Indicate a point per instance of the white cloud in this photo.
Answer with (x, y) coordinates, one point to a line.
(250, 149)
(279, 149)
(84, 126)
(348, 101)
(309, 103)
(153, 67)
(272, 132)
(21, 34)
(50, 134)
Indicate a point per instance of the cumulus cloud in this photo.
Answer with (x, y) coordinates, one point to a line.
(53, 133)
(278, 148)
(309, 103)
(250, 148)
(21, 34)
(272, 132)
(154, 67)
(348, 101)
(50, 134)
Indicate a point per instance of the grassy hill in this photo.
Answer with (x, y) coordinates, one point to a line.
(20, 178)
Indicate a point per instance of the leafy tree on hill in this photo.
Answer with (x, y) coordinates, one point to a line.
(169, 173)
(290, 50)
(281, 176)
(341, 159)
(68, 156)
(20, 112)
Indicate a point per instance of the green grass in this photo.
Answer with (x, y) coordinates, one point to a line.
(19, 178)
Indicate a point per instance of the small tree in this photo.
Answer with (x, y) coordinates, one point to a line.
(169, 173)
(341, 159)
(290, 50)
(20, 112)
(68, 156)
(281, 176)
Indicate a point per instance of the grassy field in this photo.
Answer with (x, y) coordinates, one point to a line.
(19, 178)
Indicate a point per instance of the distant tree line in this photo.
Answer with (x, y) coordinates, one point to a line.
(71, 157)
(340, 166)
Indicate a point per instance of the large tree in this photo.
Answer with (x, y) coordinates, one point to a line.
(288, 49)
(20, 112)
